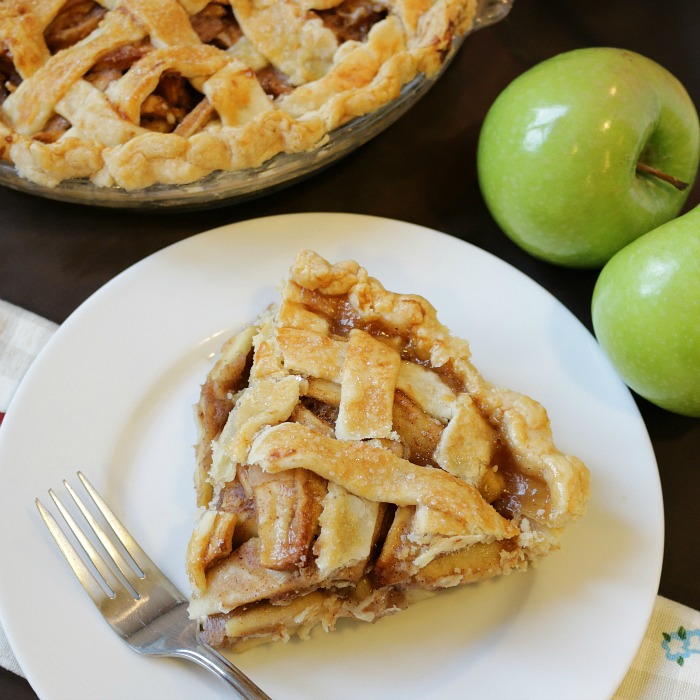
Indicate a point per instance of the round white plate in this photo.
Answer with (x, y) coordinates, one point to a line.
(111, 395)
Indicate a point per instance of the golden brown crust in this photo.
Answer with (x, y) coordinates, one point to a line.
(375, 460)
(329, 76)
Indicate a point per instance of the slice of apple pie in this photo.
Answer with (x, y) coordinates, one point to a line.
(351, 458)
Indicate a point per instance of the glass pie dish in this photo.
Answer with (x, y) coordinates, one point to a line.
(223, 187)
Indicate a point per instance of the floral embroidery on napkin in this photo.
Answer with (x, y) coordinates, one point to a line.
(681, 644)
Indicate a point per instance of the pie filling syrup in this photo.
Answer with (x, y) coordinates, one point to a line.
(351, 459)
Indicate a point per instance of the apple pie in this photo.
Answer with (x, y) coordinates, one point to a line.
(130, 93)
(351, 459)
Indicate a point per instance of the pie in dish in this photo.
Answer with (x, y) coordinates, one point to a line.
(351, 459)
(131, 93)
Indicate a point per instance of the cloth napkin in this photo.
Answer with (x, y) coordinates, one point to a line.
(667, 665)
(22, 336)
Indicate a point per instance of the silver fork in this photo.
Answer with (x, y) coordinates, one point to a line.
(142, 605)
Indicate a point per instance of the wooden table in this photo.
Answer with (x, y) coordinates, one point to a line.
(54, 255)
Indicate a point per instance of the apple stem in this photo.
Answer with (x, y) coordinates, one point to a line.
(655, 172)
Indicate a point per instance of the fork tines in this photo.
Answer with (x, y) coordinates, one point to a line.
(99, 578)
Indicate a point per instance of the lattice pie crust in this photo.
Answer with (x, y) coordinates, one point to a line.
(352, 458)
(137, 92)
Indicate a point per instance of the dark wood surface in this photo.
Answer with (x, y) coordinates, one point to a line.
(53, 255)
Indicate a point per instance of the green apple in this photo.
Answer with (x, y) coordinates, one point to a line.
(587, 151)
(646, 314)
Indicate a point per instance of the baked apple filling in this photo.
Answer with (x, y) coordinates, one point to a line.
(352, 20)
(351, 459)
(9, 77)
(76, 19)
(216, 24)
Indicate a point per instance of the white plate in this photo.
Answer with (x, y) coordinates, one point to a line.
(112, 395)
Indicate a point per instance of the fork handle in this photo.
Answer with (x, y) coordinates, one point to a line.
(220, 666)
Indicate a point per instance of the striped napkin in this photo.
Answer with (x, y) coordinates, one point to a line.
(22, 335)
(667, 665)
